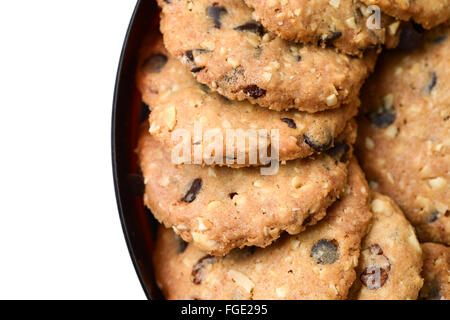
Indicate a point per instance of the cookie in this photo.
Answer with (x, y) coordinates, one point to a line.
(317, 264)
(436, 272)
(340, 23)
(220, 208)
(428, 13)
(391, 258)
(178, 102)
(404, 142)
(225, 49)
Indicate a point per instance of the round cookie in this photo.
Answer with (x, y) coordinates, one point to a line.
(391, 258)
(428, 13)
(178, 102)
(316, 264)
(220, 208)
(404, 142)
(341, 23)
(436, 272)
(231, 53)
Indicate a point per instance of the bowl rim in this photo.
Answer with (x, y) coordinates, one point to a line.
(118, 196)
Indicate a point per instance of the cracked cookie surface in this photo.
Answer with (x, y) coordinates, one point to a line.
(436, 272)
(178, 102)
(221, 44)
(428, 13)
(221, 208)
(316, 264)
(339, 23)
(391, 257)
(404, 142)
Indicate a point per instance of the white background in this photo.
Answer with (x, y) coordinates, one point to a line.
(60, 234)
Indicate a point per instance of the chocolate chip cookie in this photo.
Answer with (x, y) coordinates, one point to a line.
(225, 49)
(436, 272)
(316, 264)
(428, 13)
(178, 102)
(404, 141)
(340, 23)
(220, 208)
(391, 258)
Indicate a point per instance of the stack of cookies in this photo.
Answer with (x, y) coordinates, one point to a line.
(248, 154)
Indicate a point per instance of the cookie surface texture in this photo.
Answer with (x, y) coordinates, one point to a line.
(225, 49)
(316, 264)
(391, 257)
(404, 141)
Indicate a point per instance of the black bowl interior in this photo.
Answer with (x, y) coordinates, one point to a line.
(138, 224)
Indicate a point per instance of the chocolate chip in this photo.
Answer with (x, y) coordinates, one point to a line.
(193, 191)
(376, 275)
(432, 217)
(154, 63)
(417, 27)
(205, 88)
(307, 220)
(325, 252)
(254, 91)
(318, 145)
(215, 12)
(232, 195)
(431, 290)
(439, 39)
(252, 26)
(198, 270)
(289, 122)
(339, 151)
(432, 83)
(145, 112)
(197, 69)
(181, 244)
(410, 39)
(330, 38)
(382, 117)
(135, 184)
(189, 55)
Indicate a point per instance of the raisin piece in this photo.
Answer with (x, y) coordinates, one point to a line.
(193, 191)
(432, 83)
(215, 12)
(325, 252)
(154, 63)
(382, 117)
(252, 26)
(198, 271)
(254, 91)
(289, 122)
(339, 151)
(318, 145)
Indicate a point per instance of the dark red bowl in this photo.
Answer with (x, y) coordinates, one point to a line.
(138, 224)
